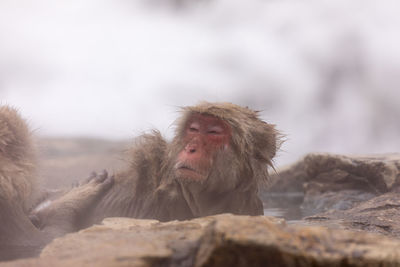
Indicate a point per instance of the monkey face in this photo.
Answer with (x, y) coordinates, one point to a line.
(204, 138)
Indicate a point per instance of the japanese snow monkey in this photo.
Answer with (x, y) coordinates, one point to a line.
(216, 163)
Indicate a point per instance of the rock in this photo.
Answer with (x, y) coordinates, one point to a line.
(380, 215)
(223, 240)
(288, 179)
(357, 193)
(338, 182)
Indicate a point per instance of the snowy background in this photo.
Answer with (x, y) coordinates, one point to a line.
(327, 72)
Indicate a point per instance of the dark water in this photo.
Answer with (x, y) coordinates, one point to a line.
(283, 205)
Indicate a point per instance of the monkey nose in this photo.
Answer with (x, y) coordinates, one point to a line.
(191, 149)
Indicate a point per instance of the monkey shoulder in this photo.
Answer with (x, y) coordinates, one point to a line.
(134, 187)
(146, 158)
(148, 148)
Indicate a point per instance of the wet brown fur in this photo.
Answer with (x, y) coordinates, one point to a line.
(19, 189)
(18, 180)
(148, 188)
(18, 185)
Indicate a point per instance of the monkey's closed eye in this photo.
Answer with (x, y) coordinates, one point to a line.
(215, 130)
(194, 127)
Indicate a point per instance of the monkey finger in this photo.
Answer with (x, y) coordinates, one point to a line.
(103, 176)
(92, 175)
(100, 186)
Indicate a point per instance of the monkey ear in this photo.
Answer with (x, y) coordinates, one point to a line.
(266, 142)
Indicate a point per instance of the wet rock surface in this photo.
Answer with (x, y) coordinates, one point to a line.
(380, 215)
(223, 240)
(348, 192)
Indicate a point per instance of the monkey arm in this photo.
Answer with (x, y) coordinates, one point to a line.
(133, 191)
(63, 215)
(124, 199)
(129, 194)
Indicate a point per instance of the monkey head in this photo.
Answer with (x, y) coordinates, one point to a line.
(223, 146)
(204, 137)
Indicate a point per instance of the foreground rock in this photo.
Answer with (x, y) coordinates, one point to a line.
(380, 215)
(360, 193)
(223, 240)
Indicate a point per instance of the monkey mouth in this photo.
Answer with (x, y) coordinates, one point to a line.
(188, 172)
(186, 168)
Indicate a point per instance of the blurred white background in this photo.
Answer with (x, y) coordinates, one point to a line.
(327, 72)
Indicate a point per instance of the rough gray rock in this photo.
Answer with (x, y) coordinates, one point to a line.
(338, 182)
(380, 215)
(348, 192)
(223, 240)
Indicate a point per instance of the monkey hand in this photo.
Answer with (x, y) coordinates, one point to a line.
(62, 215)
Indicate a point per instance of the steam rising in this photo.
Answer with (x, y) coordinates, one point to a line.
(326, 72)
